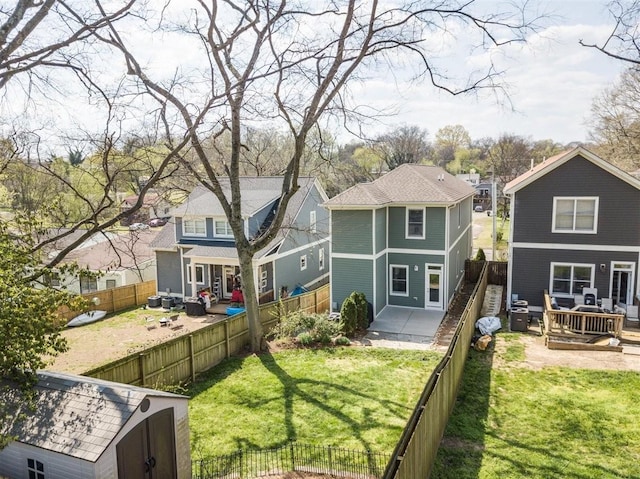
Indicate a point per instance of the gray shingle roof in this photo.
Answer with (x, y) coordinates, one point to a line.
(406, 184)
(75, 415)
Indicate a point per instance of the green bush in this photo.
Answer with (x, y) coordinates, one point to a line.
(362, 309)
(480, 256)
(305, 339)
(307, 328)
(349, 316)
(342, 341)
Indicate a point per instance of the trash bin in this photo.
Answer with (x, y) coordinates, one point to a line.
(167, 302)
(154, 301)
(519, 319)
(193, 307)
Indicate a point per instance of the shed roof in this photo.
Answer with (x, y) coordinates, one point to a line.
(407, 184)
(554, 162)
(75, 415)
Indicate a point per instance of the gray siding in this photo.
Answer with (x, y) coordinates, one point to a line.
(532, 269)
(287, 268)
(435, 221)
(349, 275)
(618, 216)
(168, 263)
(381, 283)
(197, 239)
(351, 232)
(381, 229)
(258, 218)
(300, 233)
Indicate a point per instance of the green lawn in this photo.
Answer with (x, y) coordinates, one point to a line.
(514, 422)
(484, 239)
(356, 398)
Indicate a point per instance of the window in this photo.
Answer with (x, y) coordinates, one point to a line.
(194, 227)
(52, 279)
(312, 221)
(88, 283)
(570, 279)
(399, 277)
(223, 229)
(199, 274)
(303, 262)
(35, 469)
(111, 283)
(415, 223)
(321, 259)
(575, 215)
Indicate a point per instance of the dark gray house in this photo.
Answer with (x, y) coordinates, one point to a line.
(196, 249)
(575, 224)
(85, 428)
(402, 239)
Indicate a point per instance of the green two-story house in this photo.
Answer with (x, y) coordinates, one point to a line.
(401, 239)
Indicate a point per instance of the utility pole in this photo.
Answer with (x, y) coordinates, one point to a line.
(493, 212)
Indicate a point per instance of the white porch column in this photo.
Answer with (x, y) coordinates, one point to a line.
(194, 286)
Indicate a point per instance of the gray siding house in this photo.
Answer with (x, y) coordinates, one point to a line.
(575, 224)
(402, 239)
(196, 249)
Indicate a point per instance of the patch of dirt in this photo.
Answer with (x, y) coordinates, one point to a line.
(449, 323)
(96, 344)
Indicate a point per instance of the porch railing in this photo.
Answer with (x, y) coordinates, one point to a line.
(560, 321)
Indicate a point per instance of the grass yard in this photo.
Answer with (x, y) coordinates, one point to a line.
(512, 421)
(356, 398)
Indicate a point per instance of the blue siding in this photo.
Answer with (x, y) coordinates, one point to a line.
(435, 221)
(167, 265)
(287, 268)
(351, 231)
(300, 233)
(349, 275)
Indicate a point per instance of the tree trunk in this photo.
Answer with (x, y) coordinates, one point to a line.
(250, 297)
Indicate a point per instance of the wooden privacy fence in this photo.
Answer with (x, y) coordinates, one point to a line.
(182, 358)
(415, 454)
(117, 299)
(497, 271)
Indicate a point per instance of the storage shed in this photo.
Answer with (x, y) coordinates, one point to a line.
(83, 427)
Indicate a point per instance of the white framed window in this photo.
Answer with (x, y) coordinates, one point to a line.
(321, 259)
(35, 469)
(194, 227)
(303, 262)
(399, 284)
(88, 283)
(575, 214)
(110, 283)
(312, 221)
(199, 274)
(568, 279)
(415, 223)
(223, 229)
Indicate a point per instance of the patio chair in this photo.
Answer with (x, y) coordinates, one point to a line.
(590, 296)
(151, 324)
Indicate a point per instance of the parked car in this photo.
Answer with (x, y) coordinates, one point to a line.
(138, 226)
(155, 222)
(478, 209)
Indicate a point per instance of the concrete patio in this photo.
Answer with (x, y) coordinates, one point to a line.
(398, 327)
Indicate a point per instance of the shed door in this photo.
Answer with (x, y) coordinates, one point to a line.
(148, 451)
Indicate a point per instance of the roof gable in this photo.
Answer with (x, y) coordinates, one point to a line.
(551, 163)
(407, 184)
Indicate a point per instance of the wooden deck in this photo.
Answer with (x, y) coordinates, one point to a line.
(575, 329)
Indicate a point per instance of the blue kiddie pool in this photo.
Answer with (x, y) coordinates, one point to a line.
(298, 290)
(232, 310)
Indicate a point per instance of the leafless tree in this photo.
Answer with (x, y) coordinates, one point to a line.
(623, 43)
(405, 144)
(293, 63)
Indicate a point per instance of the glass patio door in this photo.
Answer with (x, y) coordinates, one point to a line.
(433, 285)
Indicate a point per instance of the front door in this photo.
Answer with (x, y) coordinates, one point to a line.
(622, 283)
(230, 280)
(433, 286)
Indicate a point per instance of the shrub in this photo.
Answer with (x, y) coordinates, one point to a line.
(349, 316)
(362, 310)
(308, 328)
(480, 256)
(342, 341)
(305, 339)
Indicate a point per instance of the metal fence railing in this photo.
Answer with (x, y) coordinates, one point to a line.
(293, 457)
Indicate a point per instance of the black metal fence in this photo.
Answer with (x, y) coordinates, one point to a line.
(293, 457)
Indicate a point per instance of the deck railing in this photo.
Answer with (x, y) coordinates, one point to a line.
(581, 322)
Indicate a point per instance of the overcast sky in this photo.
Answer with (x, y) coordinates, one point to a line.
(552, 81)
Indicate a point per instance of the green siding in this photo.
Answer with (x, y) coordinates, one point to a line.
(348, 275)
(416, 278)
(381, 283)
(457, 256)
(435, 220)
(462, 212)
(351, 232)
(381, 229)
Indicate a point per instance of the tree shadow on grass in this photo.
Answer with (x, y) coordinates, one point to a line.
(462, 447)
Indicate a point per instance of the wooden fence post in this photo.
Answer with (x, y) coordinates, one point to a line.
(226, 337)
(143, 378)
(192, 359)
